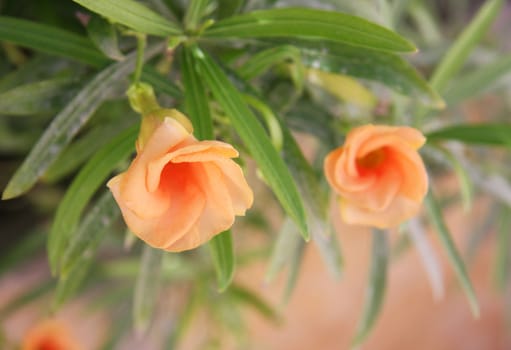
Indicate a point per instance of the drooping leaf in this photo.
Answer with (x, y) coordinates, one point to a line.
(85, 184)
(375, 291)
(491, 134)
(147, 287)
(263, 60)
(133, 15)
(435, 215)
(223, 257)
(254, 137)
(246, 296)
(311, 24)
(68, 285)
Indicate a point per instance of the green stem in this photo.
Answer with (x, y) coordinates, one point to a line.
(141, 44)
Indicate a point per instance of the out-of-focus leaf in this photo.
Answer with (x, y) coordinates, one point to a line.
(428, 257)
(85, 184)
(311, 24)
(492, 134)
(223, 257)
(196, 99)
(386, 68)
(194, 13)
(26, 297)
(254, 137)
(104, 36)
(457, 54)
(503, 259)
(246, 296)
(184, 320)
(147, 287)
(22, 251)
(67, 123)
(263, 60)
(68, 285)
(478, 81)
(85, 241)
(42, 37)
(375, 291)
(227, 8)
(435, 215)
(271, 120)
(133, 15)
(35, 98)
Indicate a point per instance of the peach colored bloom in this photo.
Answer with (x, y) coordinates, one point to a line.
(49, 335)
(379, 175)
(180, 192)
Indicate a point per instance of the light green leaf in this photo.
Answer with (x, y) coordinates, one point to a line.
(85, 184)
(255, 138)
(435, 215)
(36, 98)
(195, 11)
(386, 68)
(196, 99)
(104, 36)
(503, 258)
(147, 287)
(263, 60)
(67, 123)
(478, 81)
(67, 286)
(457, 54)
(133, 15)
(85, 241)
(375, 291)
(51, 40)
(223, 257)
(246, 296)
(491, 134)
(310, 24)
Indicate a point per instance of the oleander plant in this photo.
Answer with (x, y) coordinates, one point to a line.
(152, 150)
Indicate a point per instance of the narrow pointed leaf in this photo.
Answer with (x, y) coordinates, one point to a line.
(42, 37)
(84, 185)
(311, 24)
(223, 257)
(376, 286)
(104, 36)
(435, 215)
(255, 138)
(133, 15)
(455, 58)
(69, 285)
(503, 258)
(147, 287)
(492, 134)
(265, 59)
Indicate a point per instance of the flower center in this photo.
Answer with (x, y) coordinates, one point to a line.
(372, 160)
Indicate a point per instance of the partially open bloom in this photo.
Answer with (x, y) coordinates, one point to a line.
(49, 335)
(179, 192)
(379, 175)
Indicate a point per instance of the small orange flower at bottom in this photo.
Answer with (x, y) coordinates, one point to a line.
(180, 192)
(379, 175)
(49, 335)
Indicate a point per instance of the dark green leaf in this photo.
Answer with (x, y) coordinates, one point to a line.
(263, 60)
(22, 251)
(435, 215)
(375, 291)
(85, 184)
(104, 36)
(311, 24)
(159, 82)
(223, 257)
(255, 138)
(51, 40)
(494, 134)
(133, 15)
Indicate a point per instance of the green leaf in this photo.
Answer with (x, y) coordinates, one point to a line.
(94, 227)
(263, 60)
(159, 82)
(310, 24)
(35, 98)
(386, 68)
(375, 291)
(67, 123)
(255, 138)
(227, 8)
(85, 184)
(51, 40)
(435, 215)
(457, 54)
(223, 257)
(194, 13)
(104, 36)
(133, 15)
(196, 99)
(503, 258)
(491, 134)
(244, 295)
(147, 287)
(478, 81)
(68, 285)
(25, 297)
(22, 251)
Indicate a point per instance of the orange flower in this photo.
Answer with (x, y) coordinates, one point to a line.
(379, 175)
(49, 335)
(180, 192)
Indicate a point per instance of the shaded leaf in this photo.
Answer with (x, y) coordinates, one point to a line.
(104, 36)
(492, 134)
(222, 253)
